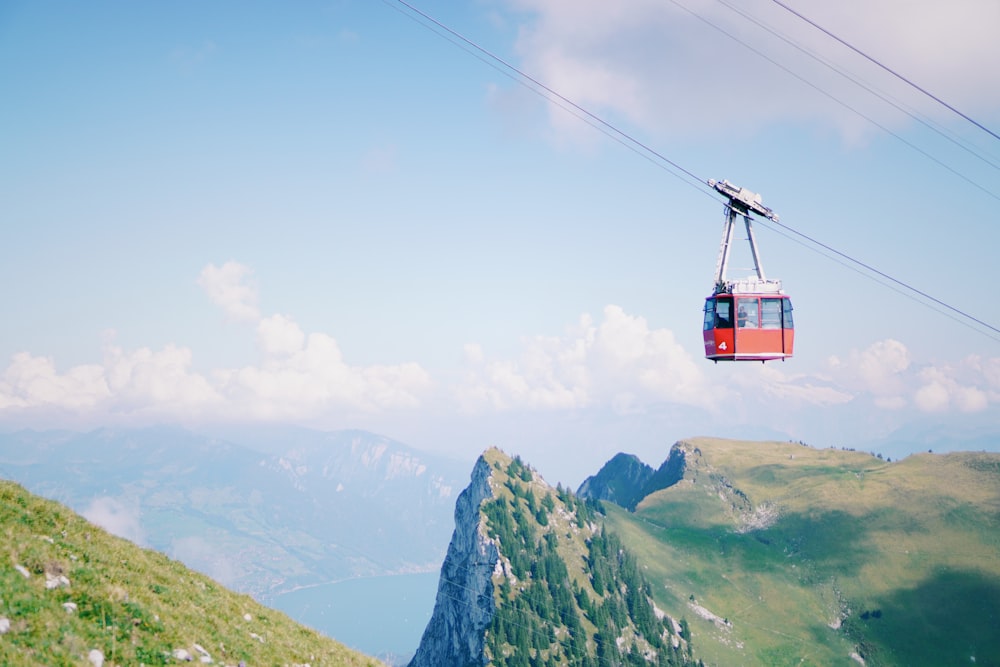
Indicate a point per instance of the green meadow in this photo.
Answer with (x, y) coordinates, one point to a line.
(781, 554)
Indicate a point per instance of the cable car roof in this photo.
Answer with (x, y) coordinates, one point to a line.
(742, 199)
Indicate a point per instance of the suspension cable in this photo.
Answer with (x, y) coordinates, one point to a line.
(886, 68)
(638, 145)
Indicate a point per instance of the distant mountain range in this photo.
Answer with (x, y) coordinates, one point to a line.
(625, 480)
(295, 508)
(730, 552)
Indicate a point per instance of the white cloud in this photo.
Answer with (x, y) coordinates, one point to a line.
(881, 364)
(932, 397)
(279, 336)
(157, 382)
(116, 516)
(616, 364)
(669, 67)
(473, 353)
(204, 556)
(881, 370)
(303, 376)
(298, 376)
(971, 399)
(886, 372)
(620, 363)
(227, 287)
(31, 382)
(988, 370)
(941, 389)
(795, 389)
(303, 382)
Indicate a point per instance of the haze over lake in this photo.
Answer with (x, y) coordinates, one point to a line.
(376, 615)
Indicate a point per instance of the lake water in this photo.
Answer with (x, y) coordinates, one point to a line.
(375, 615)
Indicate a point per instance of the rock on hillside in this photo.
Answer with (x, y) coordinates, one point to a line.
(532, 577)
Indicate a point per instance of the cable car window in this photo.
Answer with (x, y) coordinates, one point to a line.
(722, 315)
(787, 314)
(770, 313)
(747, 312)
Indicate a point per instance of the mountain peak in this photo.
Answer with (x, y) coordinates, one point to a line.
(625, 480)
(532, 577)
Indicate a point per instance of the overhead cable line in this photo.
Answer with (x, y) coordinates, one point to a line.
(899, 106)
(691, 175)
(552, 92)
(872, 269)
(835, 99)
(886, 68)
(522, 79)
(895, 285)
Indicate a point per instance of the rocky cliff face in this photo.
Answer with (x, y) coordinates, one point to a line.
(465, 604)
(532, 577)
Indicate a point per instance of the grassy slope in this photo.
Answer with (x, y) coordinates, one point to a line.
(897, 561)
(133, 604)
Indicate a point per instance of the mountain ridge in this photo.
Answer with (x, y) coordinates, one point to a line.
(75, 594)
(531, 577)
(625, 480)
(785, 554)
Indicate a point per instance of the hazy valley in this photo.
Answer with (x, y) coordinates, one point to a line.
(289, 520)
(727, 552)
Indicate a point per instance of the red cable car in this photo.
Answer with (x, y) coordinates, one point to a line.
(749, 319)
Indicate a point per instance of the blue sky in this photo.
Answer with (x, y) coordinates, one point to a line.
(325, 214)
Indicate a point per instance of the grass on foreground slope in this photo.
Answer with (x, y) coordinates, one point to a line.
(782, 554)
(134, 605)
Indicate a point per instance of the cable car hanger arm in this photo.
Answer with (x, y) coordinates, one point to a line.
(740, 201)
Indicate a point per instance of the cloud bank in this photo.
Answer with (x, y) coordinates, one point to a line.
(619, 362)
(298, 376)
(616, 363)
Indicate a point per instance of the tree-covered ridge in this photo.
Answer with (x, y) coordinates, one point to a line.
(567, 591)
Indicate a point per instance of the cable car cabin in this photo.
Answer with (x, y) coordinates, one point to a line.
(748, 327)
(748, 319)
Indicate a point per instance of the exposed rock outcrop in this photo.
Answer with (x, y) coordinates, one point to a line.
(465, 604)
(532, 576)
